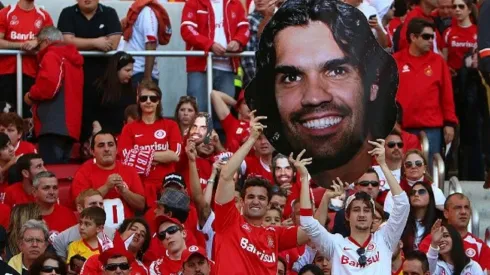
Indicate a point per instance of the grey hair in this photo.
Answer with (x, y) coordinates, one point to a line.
(50, 33)
(41, 175)
(34, 224)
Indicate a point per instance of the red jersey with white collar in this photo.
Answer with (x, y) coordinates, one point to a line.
(236, 131)
(92, 176)
(342, 252)
(459, 41)
(59, 220)
(242, 249)
(24, 147)
(15, 194)
(19, 25)
(254, 165)
(166, 266)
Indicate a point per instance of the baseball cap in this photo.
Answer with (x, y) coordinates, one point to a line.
(174, 178)
(164, 218)
(192, 250)
(174, 198)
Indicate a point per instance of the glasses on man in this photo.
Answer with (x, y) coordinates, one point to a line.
(171, 230)
(362, 256)
(152, 98)
(31, 241)
(421, 192)
(50, 269)
(410, 164)
(427, 36)
(392, 144)
(366, 183)
(114, 267)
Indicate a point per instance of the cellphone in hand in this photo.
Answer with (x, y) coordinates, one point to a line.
(372, 17)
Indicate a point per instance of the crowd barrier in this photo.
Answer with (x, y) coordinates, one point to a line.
(208, 55)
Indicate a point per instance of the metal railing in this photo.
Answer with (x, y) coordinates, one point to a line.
(438, 171)
(209, 59)
(455, 186)
(424, 144)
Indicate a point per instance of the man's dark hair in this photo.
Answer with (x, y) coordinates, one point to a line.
(127, 223)
(371, 170)
(314, 269)
(359, 196)
(177, 213)
(274, 165)
(101, 132)
(417, 255)
(459, 195)
(416, 26)
(353, 35)
(94, 213)
(257, 182)
(24, 162)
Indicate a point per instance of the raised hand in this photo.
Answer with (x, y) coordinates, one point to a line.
(256, 128)
(436, 233)
(299, 163)
(379, 150)
(190, 150)
(337, 188)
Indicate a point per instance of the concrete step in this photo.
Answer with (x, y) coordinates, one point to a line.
(480, 200)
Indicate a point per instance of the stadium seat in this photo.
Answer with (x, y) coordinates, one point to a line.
(64, 173)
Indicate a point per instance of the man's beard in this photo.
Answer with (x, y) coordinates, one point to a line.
(363, 228)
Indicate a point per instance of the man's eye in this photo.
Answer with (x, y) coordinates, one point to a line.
(337, 72)
(290, 78)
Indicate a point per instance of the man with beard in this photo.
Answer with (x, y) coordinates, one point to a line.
(318, 81)
(394, 157)
(195, 261)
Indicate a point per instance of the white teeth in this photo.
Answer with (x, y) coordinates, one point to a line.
(322, 122)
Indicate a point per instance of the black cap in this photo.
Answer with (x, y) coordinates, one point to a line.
(174, 178)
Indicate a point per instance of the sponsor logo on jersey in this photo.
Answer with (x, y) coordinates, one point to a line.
(465, 44)
(405, 69)
(155, 146)
(22, 36)
(267, 258)
(345, 260)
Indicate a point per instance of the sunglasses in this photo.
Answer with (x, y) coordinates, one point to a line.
(114, 267)
(427, 36)
(365, 183)
(362, 256)
(153, 98)
(171, 230)
(188, 98)
(392, 144)
(459, 6)
(410, 164)
(49, 269)
(421, 192)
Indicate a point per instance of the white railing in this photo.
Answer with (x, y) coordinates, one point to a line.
(438, 171)
(454, 186)
(209, 58)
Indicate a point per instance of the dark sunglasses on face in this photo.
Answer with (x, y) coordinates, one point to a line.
(49, 269)
(392, 144)
(153, 98)
(113, 267)
(427, 36)
(421, 192)
(362, 256)
(410, 164)
(365, 183)
(171, 230)
(459, 6)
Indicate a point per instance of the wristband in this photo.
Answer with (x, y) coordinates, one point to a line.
(210, 181)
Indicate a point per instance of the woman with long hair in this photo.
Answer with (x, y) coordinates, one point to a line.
(423, 214)
(115, 92)
(48, 264)
(20, 214)
(446, 253)
(185, 113)
(151, 144)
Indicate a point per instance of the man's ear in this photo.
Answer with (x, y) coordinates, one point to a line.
(25, 173)
(79, 208)
(100, 228)
(373, 94)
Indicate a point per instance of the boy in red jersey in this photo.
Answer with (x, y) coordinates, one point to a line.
(13, 125)
(253, 248)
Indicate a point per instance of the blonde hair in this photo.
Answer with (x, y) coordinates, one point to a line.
(80, 200)
(20, 214)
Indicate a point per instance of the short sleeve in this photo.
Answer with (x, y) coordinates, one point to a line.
(3, 20)
(112, 23)
(226, 216)
(48, 22)
(66, 22)
(150, 25)
(287, 237)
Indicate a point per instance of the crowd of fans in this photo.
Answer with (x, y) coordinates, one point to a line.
(208, 194)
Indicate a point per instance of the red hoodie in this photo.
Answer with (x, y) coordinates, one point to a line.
(58, 91)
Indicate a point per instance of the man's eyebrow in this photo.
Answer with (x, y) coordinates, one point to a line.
(287, 69)
(334, 63)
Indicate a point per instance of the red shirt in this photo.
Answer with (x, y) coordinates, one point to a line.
(60, 219)
(5, 217)
(15, 194)
(291, 256)
(24, 147)
(92, 176)
(94, 267)
(204, 169)
(162, 135)
(425, 90)
(416, 12)
(459, 41)
(241, 248)
(474, 248)
(392, 26)
(236, 131)
(166, 266)
(411, 141)
(19, 25)
(255, 166)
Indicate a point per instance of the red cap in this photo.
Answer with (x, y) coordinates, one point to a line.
(116, 248)
(191, 250)
(241, 97)
(164, 218)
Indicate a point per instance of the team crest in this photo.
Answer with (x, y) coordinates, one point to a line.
(428, 71)
(246, 227)
(270, 241)
(190, 15)
(14, 21)
(371, 247)
(239, 130)
(233, 15)
(160, 134)
(470, 252)
(38, 23)
(193, 248)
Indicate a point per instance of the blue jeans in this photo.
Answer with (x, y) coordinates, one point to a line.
(435, 141)
(197, 86)
(55, 149)
(138, 77)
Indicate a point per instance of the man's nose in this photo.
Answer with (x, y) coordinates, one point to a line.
(316, 91)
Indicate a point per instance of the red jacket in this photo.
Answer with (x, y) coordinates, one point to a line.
(425, 91)
(197, 29)
(58, 91)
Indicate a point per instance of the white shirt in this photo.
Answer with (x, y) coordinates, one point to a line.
(369, 11)
(219, 62)
(381, 6)
(383, 183)
(439, 198)
(208, 230)
(438, 267)
(342, 252)
(145, 30)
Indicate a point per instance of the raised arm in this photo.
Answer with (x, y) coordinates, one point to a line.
(379, 153)
(221, 103)
(226, 185)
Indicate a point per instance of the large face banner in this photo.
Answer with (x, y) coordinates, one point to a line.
(325, 85)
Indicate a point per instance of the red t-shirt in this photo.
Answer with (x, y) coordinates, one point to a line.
(92, 176)
(162, 135)
(94, 267)
(459, 41)
(19, 25)
(5, 217)
(254, 166)
(204, 170)
(60, 219)
(166, 266)
(15, 194)
(241, 248)
(24, 147)
(291, 256)
(236, 131)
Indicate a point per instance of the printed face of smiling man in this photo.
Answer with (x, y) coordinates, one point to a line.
(319, 93)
